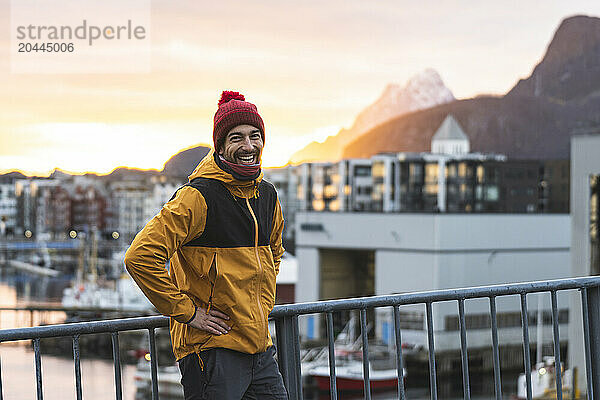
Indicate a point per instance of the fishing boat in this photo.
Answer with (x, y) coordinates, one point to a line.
(88, 291)
(383, 373)
(169, 380)
(543, 381)
(122, 294)
(543, 374)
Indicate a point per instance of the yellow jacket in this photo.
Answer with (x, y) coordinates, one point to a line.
(222, 236)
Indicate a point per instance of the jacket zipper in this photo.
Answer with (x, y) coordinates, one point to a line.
(257, 258)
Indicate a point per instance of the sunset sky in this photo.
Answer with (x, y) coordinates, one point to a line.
(309, 66)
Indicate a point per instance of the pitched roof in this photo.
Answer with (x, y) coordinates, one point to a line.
(450, 130)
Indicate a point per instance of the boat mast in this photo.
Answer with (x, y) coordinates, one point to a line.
(540, 333)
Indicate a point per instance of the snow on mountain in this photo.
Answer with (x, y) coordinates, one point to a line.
(422, 91)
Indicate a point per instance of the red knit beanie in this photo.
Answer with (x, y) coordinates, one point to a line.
(233, 111)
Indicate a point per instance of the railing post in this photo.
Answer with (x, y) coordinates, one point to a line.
(593, 301)
(153, 363)
(287, 356)
(1, 395)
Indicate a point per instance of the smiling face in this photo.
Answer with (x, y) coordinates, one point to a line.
(243, 145)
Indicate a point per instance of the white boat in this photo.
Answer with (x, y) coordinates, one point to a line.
(169, 380)
(543, 374)
(123, 295)
(383, 373)
(543, 381)
(88, 291)
(350, 377)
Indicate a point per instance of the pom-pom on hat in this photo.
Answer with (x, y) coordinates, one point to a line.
(234, 110)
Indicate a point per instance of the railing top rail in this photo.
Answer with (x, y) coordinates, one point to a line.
(33, 307)
(280, 311)
(82, 328)
(434, 296)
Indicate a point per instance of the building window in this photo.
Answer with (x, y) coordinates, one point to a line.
(451, 170)
(362, 171)
(431, 173)
(416, 171)
(330, 191)
(491, 193)
(480, 173)
(411, 320)
(379, 169)
(504, 320)
(318, 205)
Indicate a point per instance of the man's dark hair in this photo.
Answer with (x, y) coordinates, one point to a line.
(220, 143)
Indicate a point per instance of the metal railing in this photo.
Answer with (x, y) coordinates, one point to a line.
(286, 320)
(75, 330)
(288, 344)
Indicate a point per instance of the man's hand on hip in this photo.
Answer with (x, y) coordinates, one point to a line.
(213, 322)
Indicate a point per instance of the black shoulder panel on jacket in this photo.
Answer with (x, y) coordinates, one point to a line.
(229, 222)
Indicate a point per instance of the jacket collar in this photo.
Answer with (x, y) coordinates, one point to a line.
(208, 168)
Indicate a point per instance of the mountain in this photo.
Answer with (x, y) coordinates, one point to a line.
(535, 119)
(12, 176)
(130, 174)
(422, 91)
(179, 166)
(183, 163)
(59, 174)
(570, 70)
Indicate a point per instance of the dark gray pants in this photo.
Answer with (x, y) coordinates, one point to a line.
(231, 375)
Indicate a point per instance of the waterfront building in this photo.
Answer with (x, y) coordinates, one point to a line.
(57, 200)
(8, 209)
(161, 191)
(286, 182)
(88, 208)
(126, 203)
(32, 206)
(585, 231)
(362, 254)
(554, 186)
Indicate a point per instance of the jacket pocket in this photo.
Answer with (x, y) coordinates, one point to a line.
(191, 335)
(213, 274)
(268, 285)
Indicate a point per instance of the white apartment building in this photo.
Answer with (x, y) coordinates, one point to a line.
(8, 208)
(344, 255)
(285, 180)
(32, 212)
(400, 180)
(342, 186)
(127, 203)
(133, 203)
(355, 185)
(161, 192)
(585, 231)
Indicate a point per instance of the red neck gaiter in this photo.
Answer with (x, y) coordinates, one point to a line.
(242, 172)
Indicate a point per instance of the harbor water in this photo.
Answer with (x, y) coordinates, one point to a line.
(58, 376)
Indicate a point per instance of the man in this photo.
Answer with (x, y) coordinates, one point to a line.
(222, 234)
